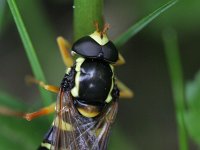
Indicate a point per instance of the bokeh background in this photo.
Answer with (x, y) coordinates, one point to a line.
(145, 122)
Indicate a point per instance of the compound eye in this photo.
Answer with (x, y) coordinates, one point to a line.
(87, 47)
(110, 52)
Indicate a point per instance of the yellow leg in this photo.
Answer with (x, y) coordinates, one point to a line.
(28, 116)
(32, 80)
(125, 92)
(43, 111)
(120, 61)
(64, 47)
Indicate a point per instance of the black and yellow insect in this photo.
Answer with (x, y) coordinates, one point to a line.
(87, 100)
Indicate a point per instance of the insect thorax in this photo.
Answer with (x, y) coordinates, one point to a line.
(94, 80)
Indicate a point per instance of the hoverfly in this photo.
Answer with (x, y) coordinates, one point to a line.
(87, 100)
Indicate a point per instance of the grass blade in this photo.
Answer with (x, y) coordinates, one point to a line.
(2, 13)
(174, 65)
(142, 23)
(30, 51)
(193, 110)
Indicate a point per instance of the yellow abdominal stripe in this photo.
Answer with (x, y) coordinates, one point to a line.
(46, 145)
(62, 125)
(88, 114)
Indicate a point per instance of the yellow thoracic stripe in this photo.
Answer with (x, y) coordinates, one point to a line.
(109, 97)
(75, 89)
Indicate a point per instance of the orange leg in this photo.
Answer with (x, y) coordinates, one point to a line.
(64, 47)
(28, 116)
(125, 92)
(120, 61)
(32, 80)
(9, 112)
(43, 111)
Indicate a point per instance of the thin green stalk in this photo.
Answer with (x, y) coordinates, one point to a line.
(30, 51)
(175, 69)
(2, 13)
(121, 40)
(86, 12)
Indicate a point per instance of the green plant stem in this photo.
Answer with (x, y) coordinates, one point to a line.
(86, 12)
(30, 51)
(174, 65)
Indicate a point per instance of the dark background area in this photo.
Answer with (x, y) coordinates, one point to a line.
(148, 120)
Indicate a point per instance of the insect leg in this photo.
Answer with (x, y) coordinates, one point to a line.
(125, 92)
(10, 112)
(32, 80)
(43, 111)
(28, 116)
(120, 61)
(64, 47)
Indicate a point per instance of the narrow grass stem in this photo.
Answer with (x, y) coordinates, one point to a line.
(174, 65)
(30, 51)
(122, 39)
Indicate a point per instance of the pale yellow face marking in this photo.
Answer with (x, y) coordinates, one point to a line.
(75, 89)
(109, 98)
(63, 125)
(97, 37)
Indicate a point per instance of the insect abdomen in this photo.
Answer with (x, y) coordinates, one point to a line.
(46, 144)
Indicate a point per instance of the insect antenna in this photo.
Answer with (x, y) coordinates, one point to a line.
(96, 24)
(105, 28)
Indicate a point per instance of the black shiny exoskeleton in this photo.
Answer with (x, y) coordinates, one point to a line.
(95, 81)
(93, 77)
(87, 101)
(89, 48)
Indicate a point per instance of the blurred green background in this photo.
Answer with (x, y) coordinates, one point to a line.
(146, 122)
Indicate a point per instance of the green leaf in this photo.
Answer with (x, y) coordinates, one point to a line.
(30, 51)
(85, 14)
(193, 112)
(120, 41)
(175, 70)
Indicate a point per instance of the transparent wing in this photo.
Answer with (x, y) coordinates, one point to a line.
(72, 131)
(103, 126)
